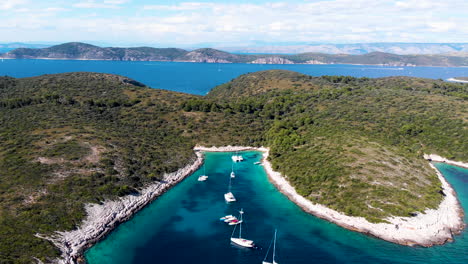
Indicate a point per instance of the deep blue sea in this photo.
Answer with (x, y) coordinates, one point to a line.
(199, 78)
(183, 226)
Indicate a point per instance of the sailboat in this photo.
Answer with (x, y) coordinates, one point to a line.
(203, 177)
(239, 240)
(274, 251)
(233, 175)
(229, 197)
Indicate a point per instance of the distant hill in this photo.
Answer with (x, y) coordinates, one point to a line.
(354, 49)
(82, 51)
(15, 45)
(6, 47)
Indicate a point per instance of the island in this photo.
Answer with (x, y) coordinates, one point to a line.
(81, 152)
(83, 51)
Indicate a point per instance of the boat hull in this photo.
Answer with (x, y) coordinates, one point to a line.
(229, 197)
(202, 178)
(243, 242)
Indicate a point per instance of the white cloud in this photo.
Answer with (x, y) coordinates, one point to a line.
(10, 4)
(419, 4)
(309, 21)
(442, 26)
(180, 7)
(93, 4)
(116, 2)
(55, 9)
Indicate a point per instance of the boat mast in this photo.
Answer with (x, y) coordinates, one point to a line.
(274, 247)
(240, 227)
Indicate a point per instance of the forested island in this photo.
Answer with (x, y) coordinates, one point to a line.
(83, 51)
(355, 145)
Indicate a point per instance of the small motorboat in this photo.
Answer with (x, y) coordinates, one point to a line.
(226, 217)
(202, 178)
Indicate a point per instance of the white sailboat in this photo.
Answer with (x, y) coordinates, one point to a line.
(239, 240)
(203, 177)
(229, 197)
(274, 252)
(233, 175)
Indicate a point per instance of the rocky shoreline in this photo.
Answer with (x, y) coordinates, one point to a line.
(433, 227)
(103, 218)
(437, 158)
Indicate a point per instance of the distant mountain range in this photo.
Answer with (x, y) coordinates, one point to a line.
(5, 47)
(83, 51)
(354, 49)
(15, 45)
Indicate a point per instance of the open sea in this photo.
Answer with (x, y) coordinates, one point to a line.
(199, 78)
(183, 225)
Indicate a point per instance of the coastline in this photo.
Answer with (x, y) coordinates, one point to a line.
(437, 158)
(456, 80)
(102, 218)
(433, 227)
(221, 62)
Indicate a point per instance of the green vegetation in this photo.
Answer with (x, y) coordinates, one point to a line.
(353, 144)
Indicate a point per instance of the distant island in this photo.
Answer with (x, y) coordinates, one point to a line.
(83, 51)
(71, 144)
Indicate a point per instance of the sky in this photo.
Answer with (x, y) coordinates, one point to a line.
(231, 23)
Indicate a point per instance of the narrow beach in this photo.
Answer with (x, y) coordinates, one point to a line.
(456, 80)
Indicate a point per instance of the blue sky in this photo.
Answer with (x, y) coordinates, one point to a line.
(231, 23)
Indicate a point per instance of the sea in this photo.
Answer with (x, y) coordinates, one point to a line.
(183, 225)
(200, 78)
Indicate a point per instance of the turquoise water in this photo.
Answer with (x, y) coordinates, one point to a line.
(199, 78)
(182, 225)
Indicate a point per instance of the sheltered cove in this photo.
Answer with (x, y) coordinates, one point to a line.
(433, 227)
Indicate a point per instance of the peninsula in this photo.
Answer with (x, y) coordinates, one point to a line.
(83, 51)
(81, 152)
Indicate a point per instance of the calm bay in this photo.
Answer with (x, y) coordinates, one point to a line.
(183, 225)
